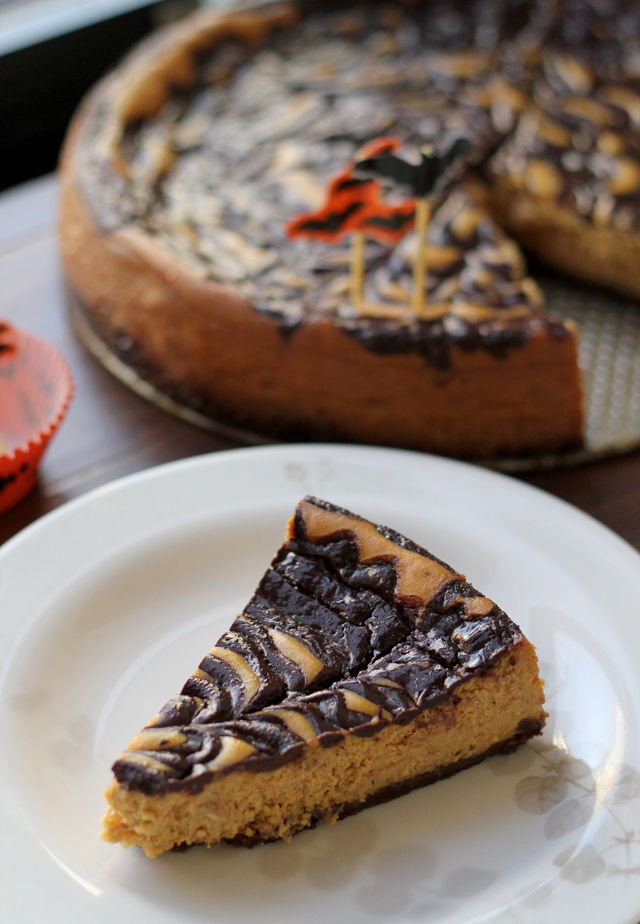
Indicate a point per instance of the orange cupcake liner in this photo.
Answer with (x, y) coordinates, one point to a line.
(35, 391)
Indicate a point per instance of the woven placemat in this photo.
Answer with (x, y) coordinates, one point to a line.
(610, 362)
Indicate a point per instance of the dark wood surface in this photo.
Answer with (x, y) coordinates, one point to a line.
(110, 432)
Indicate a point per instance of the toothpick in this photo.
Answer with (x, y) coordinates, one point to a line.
(357, 269)
(423, 215)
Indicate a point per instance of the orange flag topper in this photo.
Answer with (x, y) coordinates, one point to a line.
(356, 204)
(347, 197)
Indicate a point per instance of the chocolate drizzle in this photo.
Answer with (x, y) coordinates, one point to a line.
(352, 627)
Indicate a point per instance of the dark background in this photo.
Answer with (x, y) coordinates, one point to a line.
(42, 82)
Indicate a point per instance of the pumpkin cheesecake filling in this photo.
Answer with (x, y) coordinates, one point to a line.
(362, 667)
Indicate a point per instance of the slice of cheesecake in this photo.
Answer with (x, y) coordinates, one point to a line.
(362, 668)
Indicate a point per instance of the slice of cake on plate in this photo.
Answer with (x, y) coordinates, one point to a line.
(362, 668)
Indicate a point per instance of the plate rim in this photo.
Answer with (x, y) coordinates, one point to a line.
(214, 457)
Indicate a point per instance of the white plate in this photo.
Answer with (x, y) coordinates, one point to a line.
(108, 604)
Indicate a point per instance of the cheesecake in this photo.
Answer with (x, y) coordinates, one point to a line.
(184, 168)
(566, 182)
(363, 667)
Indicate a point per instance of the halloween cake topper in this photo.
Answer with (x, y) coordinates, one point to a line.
(355, 206)
(421, 178)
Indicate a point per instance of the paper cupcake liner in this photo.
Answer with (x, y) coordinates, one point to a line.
(35, 391)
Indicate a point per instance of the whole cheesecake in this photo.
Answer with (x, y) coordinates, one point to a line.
(184, 167)
(362, 667)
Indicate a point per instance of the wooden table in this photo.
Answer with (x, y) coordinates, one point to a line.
(111, 432)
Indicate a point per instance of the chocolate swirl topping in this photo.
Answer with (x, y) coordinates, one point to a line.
(352, 627)
(214, 175)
